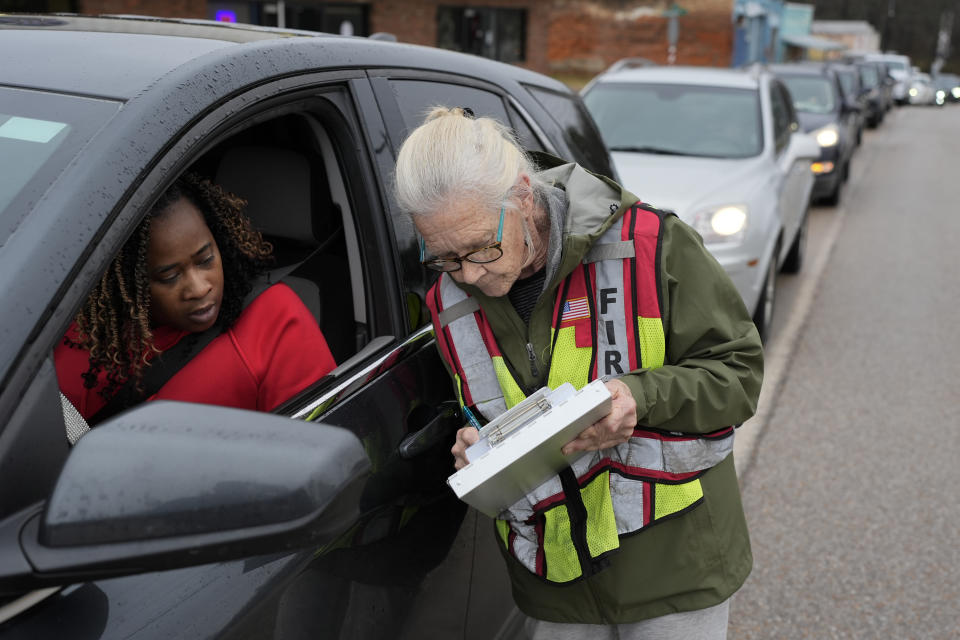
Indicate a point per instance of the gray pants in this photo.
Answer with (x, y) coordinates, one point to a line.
(704, 624)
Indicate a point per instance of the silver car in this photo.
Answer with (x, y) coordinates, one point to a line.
(722, 149)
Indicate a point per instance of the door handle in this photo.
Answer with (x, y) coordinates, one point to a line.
(435, 431)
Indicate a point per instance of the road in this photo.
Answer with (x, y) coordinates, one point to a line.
(849, 469)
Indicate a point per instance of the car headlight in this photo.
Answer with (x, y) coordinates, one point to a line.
(956, 92)
(722, 224)
(914, 92)
(827, 136)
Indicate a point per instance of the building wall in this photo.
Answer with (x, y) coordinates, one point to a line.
(160, 8)
(562, 36)
(589, 35)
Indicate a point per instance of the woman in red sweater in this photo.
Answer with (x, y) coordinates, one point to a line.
(186, 270)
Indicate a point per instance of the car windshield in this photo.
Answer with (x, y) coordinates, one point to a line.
(895, 65)
(868, 75)
(811, 94)
(39, 133)
(676, 119)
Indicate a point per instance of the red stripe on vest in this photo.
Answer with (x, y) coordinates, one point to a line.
(630, 312)
(548, 502)
(589, 335)
(486, 332)
(647, 503)
(640, 432)
(646, 230)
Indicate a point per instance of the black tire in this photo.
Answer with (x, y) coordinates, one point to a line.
(798, 249)
(763, 316)
(833, 198)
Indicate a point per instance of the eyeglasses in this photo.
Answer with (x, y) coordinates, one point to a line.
(483, 255)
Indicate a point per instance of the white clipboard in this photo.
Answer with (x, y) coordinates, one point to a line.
(520, 449)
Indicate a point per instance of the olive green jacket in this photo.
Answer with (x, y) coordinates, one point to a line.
(710, 379)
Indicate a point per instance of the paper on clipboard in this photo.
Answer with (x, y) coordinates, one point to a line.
(520, 449)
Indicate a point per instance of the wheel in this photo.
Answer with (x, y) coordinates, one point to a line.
(846, 170)
(794, 261)
(763, 316)
(833, 198)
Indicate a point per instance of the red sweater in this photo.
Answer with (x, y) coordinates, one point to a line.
(273, 351)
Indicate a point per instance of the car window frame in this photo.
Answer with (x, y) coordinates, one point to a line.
(781, 139)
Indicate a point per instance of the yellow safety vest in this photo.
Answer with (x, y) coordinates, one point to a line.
(606, 321)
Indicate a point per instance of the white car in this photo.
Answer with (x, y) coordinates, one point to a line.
(722, 149)
(922, 90)
(900, 69)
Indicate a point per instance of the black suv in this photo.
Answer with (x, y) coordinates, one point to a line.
(188, 521)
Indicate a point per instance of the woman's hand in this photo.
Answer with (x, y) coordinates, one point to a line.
(614, 428)
(465, 437)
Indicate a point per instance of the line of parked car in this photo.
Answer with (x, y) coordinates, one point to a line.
(739, 154)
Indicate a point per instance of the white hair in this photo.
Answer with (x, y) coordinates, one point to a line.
(453, 156)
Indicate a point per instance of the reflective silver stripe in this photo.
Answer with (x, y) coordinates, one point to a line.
(525, 545)
(694, 455)
(613, 357)
(479, 376)
(626, 494)
(462, 308)
(606, 250)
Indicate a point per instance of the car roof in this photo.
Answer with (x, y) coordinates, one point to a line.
(706, 76)
(121, 56)
(802, 68)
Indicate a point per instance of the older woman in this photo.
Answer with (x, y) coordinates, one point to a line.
(552, 274)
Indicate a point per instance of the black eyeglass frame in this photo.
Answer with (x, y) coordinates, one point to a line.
(441, 264)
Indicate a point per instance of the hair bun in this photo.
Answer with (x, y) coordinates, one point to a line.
(440, 112)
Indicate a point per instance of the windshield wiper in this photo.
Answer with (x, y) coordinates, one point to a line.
(654, 150)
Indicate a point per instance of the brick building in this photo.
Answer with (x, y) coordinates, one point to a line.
(559, 37)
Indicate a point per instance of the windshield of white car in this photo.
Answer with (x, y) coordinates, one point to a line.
(39, 134)
(811, 94)
(676, 119)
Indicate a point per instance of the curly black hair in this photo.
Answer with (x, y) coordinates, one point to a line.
(114, 324)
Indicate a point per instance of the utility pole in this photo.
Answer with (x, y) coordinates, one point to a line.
(943, 41)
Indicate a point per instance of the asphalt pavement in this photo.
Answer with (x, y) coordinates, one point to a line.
(848, 480)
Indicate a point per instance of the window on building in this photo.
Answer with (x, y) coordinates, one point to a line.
(490, 32)
(349, 19)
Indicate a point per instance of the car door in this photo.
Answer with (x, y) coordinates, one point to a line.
(401, 570)
(795, 178)
(403, 97)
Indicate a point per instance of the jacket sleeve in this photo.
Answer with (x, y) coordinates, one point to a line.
(713, 365)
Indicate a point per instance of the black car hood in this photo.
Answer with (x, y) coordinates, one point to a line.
(812, 121)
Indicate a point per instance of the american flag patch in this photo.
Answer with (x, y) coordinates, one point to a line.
(575, 309)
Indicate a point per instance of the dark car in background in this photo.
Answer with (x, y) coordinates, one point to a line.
(824, 113)
(175, 520)
(947, 86)
(876, 87)
(854, 94)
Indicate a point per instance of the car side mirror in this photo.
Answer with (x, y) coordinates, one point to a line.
(173, 484)
(852, 107)
(805, 146)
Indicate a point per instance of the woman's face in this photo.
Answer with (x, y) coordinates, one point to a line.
(468, 226)
(184, 269)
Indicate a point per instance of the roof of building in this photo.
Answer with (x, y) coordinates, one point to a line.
(839, 27)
